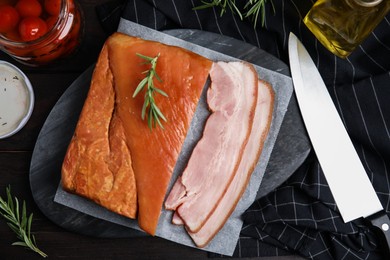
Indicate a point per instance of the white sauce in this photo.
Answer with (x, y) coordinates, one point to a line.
(14, 99)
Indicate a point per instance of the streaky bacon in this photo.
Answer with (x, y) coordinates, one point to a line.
(215, 159)
(252, 152)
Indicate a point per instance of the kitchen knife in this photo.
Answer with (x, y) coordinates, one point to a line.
(348, 181)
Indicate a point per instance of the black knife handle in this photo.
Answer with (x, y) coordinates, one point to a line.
(382, 222)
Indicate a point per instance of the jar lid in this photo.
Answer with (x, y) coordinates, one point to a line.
(368, 3)
(16, 99)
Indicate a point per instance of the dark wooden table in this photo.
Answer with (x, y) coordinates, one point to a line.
(15, 156)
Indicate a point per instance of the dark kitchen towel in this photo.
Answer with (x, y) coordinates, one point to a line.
(300, 217)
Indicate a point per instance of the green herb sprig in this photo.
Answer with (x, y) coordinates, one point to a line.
(154, 113)
(252, 9)
(19, 222)
(223, 4)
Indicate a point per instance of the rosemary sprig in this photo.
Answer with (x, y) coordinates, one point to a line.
(19, 222)
(255, 8)
(252, 9)
(223, 4)
(154, 113)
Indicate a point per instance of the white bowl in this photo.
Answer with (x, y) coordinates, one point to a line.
(17, 105)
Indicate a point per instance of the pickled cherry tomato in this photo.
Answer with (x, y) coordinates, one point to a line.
(51, 21)
(13, 35)
(31, 28)
(9, 18)
(6, 2)
(29, 8)
(53, 7)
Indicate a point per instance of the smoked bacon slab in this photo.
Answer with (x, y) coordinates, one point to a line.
(135, 174)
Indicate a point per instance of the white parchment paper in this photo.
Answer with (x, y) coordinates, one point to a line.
(225, 241)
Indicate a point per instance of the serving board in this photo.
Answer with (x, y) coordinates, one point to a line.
(290, 150)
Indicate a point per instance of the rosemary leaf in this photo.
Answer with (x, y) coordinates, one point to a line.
(148, 59)
(255, 8)
(161, 92)
(144, 107)
(12, 227)
(232, 5)
(159, 122)
(140, 86)
(18, 222)
(158, 112)
(30, 218)
(154, 114)
(17, 210)
(157, 76)
(19, 244)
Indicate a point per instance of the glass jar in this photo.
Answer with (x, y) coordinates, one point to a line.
(61, 37)
(342, 25)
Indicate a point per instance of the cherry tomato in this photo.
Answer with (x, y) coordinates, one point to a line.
(51, 21)
(9, 18)
(13, 35)
(53, 7)
(31, 28)
(29, 8)
(6, 2)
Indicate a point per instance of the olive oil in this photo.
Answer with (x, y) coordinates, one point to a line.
(341, 25)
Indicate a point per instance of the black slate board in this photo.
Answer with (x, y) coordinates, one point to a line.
(291, 148)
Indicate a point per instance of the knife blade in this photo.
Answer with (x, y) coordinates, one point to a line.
(350, 186)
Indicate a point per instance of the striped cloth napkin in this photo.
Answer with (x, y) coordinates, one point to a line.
(300, 217)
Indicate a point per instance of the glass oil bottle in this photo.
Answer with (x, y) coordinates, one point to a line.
(342, 25)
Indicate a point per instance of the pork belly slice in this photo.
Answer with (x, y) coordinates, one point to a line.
(215, 159)
(252, 152)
